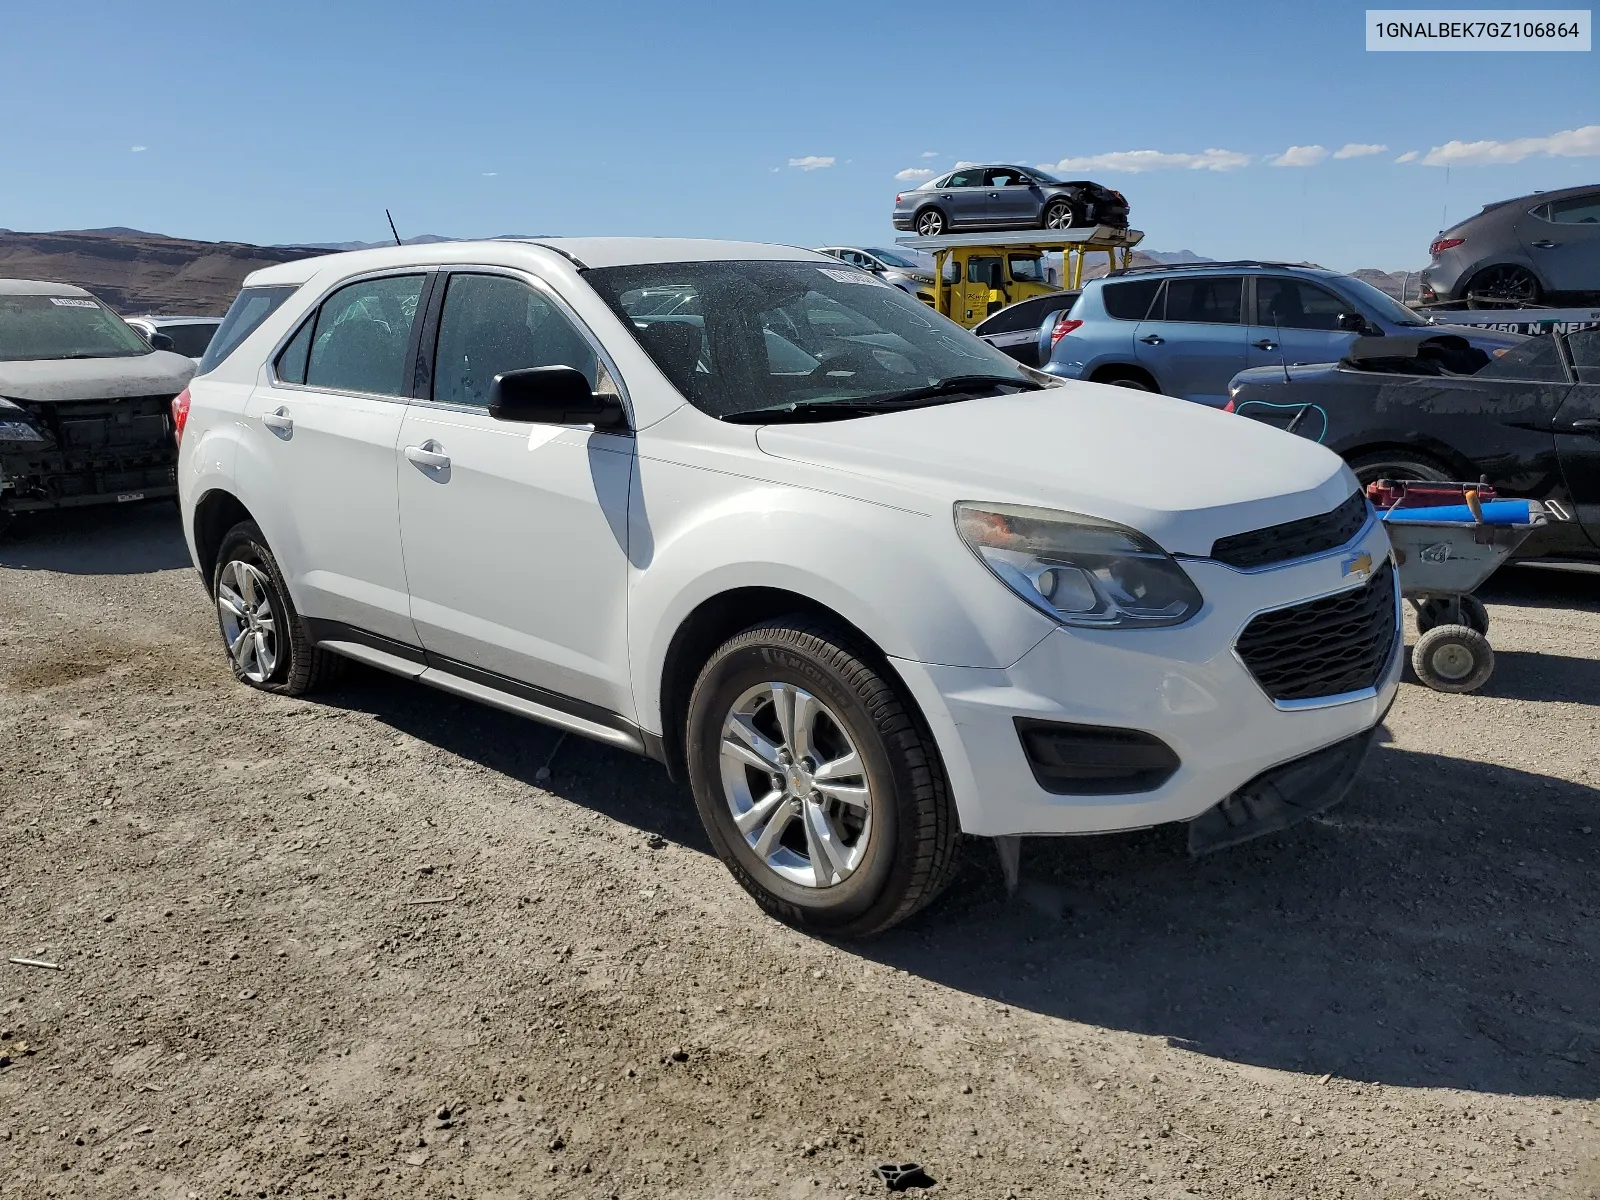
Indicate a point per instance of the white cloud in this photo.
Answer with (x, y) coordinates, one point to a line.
(1359, 149)
(812, 162)
(930, 154)
(1300, 156)
(1409, 156)
(138, 149)
(1136, 161)
(965, 163)
(490, 174)
(911, 174)
(1571, 143)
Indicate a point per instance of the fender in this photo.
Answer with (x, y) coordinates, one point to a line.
(914, 590)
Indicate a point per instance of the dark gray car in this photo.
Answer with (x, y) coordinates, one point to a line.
(1522, 251)
(999, 196)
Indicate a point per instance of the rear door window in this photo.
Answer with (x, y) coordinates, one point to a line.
(250, 308)
(362, 333)
(1205, 300)
(1130, 301)
(1579, 210)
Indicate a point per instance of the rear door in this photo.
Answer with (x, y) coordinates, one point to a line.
(318, 461)
(964, 199)
(515, 534)
(1011, 197)
(1296, 322)
(1563, 241)
(1193, 341)
(1578, 432)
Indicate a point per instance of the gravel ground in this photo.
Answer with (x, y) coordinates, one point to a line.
(366, 946)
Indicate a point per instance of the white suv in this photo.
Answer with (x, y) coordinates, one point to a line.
(862, 580)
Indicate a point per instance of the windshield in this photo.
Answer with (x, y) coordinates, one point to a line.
(749, 336)
(1385, 305)
(43, 327)
(908, 260)
(1043, 177)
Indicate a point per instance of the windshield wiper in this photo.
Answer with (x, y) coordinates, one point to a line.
(946, 391)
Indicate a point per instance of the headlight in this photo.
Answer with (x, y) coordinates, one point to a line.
(14, 424)
(1080, 570)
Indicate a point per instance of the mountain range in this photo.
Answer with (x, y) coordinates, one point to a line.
(139, 272)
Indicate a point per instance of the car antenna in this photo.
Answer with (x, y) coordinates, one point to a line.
(392, 230)
(1283, 359)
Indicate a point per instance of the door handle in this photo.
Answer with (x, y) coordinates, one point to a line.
(1265, 344)
(279, 421)
(430, 456)
(1152, 339)
(1545, 244)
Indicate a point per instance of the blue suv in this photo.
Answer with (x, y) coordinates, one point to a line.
(1188, 330)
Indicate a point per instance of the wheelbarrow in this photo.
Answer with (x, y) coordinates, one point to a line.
(1448, 538)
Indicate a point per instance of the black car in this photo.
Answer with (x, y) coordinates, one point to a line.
(1431, 405)
(1015, 329)
(997, 196)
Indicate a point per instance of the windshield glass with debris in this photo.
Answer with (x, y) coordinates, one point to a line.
(46, 327)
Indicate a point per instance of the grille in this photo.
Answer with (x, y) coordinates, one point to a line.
(1324, 647)
(1293, 539)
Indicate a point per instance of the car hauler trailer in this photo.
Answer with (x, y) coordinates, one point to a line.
(987, 271)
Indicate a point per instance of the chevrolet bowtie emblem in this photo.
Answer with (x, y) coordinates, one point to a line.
(1359, 565)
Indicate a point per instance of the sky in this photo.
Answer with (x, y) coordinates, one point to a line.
(1237, 129)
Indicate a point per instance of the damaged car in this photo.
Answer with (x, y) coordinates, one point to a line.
(85, 402)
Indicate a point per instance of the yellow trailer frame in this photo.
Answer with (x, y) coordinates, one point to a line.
(967, 302)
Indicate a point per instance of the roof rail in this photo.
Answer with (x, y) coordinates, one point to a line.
(1207, 266)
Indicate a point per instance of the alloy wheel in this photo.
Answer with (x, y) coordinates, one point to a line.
(249, 622)
(796, 785)
(1506, 282)
(930, 224)
(1059, 217)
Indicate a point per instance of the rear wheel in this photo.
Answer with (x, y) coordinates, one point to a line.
(1507, 283)
(1059, 214)
(819, 786)
(931, 223)
(262, 633)
(1453, 658)
(1399, 465)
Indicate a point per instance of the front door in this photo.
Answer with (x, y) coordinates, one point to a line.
(1011, 198)
(323, 429)
(515, 534)
(1563, 241)
(1193, 340)
(1578, 432)
(1296, 322)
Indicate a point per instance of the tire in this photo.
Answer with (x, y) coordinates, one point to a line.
(890, 823)
(6, 517)
(931, 222)
(1135, 384)
(1453, 658)
(1060, 214)
(257, 619)
(1506, 282)
(1436, 612)
(1400, 465)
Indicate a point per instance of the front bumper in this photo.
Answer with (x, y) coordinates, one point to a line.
(1185, 686)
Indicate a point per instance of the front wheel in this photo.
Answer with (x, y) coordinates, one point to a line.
(262, 633)
(930, 223)
(819, 786)
(1059, 214)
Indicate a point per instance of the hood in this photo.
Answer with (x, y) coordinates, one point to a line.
(1181, 473)
(159, 373)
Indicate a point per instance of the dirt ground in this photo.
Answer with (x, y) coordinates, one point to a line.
(364, 946)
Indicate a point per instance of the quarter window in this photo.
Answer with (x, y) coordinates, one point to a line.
(492, 324)
(1205, 300)
(1296, 304)
(1130, 301)
(1537, 360)
(291, 364)
(361, 336)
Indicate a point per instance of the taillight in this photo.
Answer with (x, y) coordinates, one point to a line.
(897, 197)
(180, 415)
(1228, 407)
(1444, 244)
(1064, 326)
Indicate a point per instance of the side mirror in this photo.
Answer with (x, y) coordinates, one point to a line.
(1352, 322)
(160, 341)
(551, 396)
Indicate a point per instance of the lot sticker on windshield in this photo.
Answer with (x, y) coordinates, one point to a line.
(851, 277)
(66, 302)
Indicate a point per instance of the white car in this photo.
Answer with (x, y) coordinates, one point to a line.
(862, 580)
